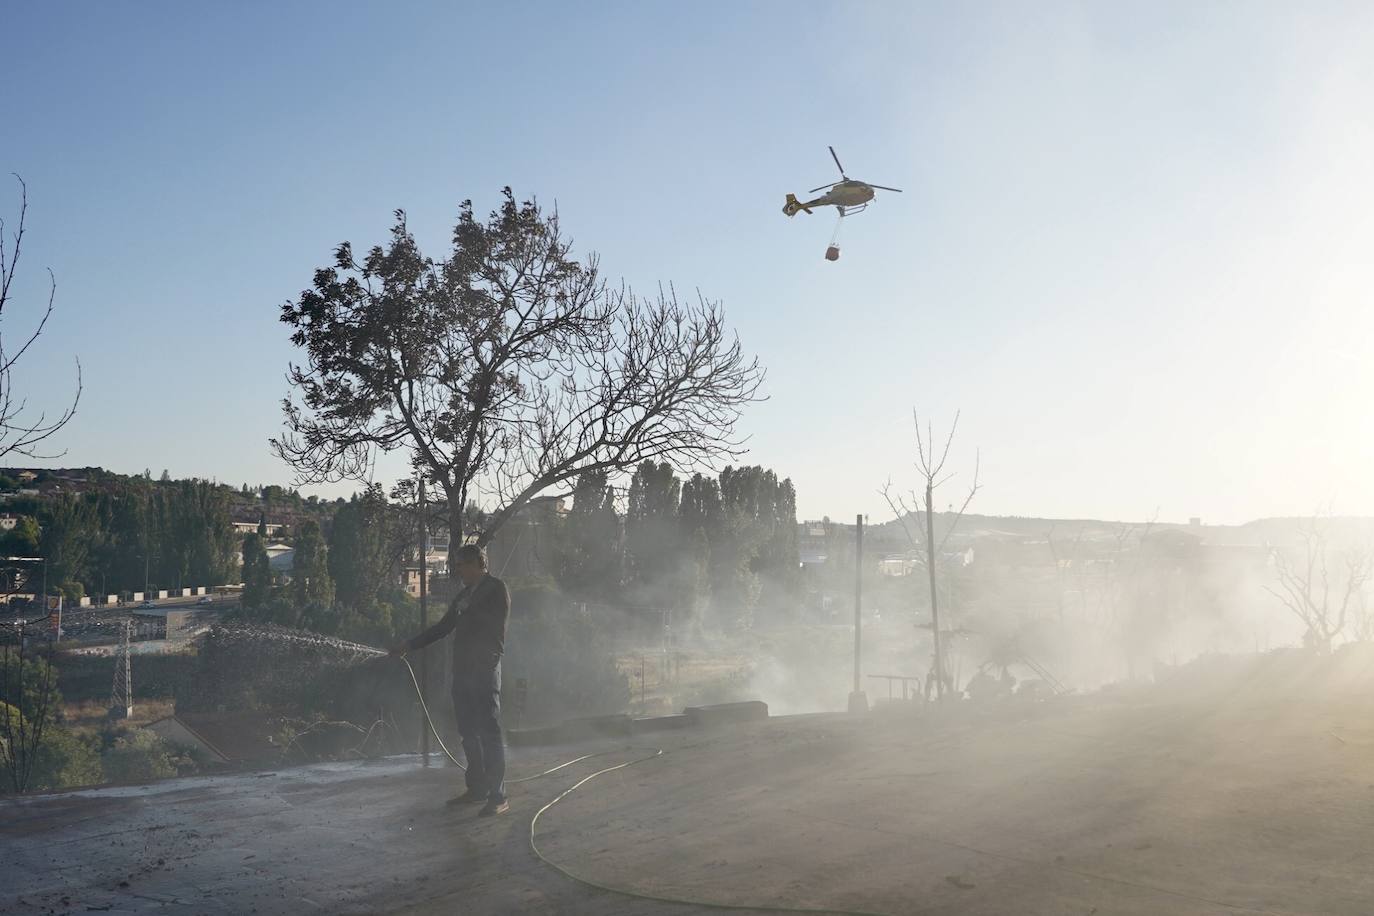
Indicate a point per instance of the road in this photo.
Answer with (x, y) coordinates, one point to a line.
(91, 626)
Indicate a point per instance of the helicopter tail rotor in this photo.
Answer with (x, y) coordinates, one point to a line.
(793, 205)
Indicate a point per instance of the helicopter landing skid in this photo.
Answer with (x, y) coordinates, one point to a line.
(849, 211)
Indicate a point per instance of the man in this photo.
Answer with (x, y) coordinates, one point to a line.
(477, 619)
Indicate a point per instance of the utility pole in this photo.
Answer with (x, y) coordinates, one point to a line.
(424, 614)
(858, 701)
(934, 605)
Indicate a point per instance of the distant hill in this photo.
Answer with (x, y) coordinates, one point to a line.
(1339, 530)
(281, 505)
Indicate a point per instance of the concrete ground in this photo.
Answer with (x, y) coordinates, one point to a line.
(1140, 804)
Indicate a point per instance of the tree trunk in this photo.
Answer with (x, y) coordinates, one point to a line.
(934, 603)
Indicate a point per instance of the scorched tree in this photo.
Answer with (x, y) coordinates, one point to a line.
(506, 370)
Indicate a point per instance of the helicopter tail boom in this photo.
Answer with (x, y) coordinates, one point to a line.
(793, 205)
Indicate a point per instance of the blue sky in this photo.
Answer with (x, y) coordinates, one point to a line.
(1133, 247)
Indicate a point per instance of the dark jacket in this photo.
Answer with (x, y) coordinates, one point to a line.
(477, 618)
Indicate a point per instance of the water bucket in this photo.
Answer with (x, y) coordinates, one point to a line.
(832, 253)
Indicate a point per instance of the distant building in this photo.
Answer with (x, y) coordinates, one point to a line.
(901, 564)
(436, 561)
(957, 557)
(280, 557)
(273, 530)
(410, 581)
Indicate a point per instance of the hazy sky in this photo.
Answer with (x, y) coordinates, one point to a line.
(1134, 248)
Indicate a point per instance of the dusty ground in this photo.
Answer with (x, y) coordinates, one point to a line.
(1152, 803)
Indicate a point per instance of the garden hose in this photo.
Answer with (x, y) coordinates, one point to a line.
(596, 885)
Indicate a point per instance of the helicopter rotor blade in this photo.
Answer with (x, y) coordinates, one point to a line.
(837, 163)
(823, 187)
(885, 188)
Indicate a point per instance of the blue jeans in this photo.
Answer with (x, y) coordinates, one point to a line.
(477, 705)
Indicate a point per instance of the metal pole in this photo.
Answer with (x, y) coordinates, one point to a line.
(934, 605)
(858, 598)
(424, 615)
(858, 702)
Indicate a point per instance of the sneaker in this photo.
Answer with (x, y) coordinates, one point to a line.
(494, 807)
(470, 797)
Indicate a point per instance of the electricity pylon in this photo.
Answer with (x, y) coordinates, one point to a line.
(122, 693)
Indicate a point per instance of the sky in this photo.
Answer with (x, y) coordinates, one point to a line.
(1132, 249)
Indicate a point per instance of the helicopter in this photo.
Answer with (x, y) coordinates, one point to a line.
(848, 195)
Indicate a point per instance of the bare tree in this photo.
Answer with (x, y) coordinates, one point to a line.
(505, 371)
(1306, 587)
(28, 701)
(20, 431)
(1362, 621)
(932, 472)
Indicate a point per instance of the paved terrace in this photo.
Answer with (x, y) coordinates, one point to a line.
(1129, 807)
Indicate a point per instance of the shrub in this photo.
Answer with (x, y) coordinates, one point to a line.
(138, 755)
(64, 760)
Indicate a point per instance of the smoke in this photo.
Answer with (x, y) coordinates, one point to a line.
(1123, 604)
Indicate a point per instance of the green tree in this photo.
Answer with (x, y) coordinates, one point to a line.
(743, 528)
(66, 760)
(23, 540)
(312, 588)
(131, 537)
(368, 542)
(68, 529)
(653, 531)
(257, 574)
(702, 522)
(587, 556)
(173, 534)
(193, 533)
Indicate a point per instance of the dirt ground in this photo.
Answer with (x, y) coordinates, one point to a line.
(1150, 802)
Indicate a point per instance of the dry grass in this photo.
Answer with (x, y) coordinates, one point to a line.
(91, 715)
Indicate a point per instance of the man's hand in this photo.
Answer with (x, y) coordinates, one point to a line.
(399, 650)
